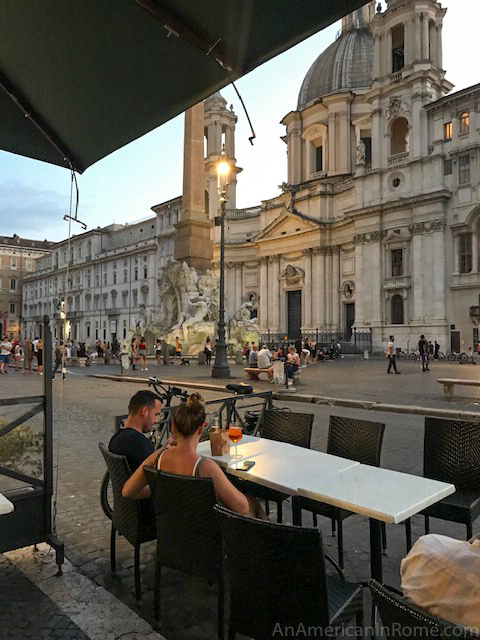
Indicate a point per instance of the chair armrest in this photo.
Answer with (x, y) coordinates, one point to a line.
(335, 566)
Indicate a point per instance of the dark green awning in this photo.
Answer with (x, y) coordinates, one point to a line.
(93, 75)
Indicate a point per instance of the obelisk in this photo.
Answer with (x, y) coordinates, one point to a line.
(193, 243)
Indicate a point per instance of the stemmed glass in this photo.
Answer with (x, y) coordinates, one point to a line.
(235, 434)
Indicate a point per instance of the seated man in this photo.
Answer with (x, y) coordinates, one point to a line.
(442, 576)
(253, 357)
(143, 411)
(264, 360)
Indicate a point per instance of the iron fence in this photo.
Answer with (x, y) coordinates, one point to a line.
(352, 342)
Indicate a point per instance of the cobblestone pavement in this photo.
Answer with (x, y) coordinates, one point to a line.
(84, 410)
(27, 612)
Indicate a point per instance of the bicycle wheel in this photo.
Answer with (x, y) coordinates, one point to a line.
(463, 358)
(413, 356)
(451, 357)
(106, 496)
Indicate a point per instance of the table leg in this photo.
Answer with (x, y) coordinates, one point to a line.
(376, 550)
(296, 512)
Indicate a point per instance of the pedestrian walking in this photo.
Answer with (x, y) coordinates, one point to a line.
(158, 351)
(424, 352)
(60, 353)
(208, 350)
(436, 349)
(40, 357)
(133, 353)
(27, 356)
(142, 352)
(392, 355)
(17, 350)
(5, 351)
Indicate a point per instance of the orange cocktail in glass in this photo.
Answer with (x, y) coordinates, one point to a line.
(235, 434)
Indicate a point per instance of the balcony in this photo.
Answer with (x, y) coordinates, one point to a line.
(74, 314)
(112, 312)
(398, 159)
(397, 282)
(474, 311)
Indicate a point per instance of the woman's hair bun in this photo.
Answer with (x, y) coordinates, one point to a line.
(195, 401)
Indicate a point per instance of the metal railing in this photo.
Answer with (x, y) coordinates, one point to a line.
(32, 520)
(351, 342)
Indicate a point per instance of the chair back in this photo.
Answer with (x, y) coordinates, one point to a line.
(359, 440)
(402, 619)
(276, 574)
(188, 534)
(126, 512)
(451, 452)
(287, 426)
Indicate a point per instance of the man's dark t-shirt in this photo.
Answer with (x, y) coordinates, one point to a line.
(133, 445)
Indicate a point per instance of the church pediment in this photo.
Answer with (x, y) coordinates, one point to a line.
(287, 224)
(393, 238)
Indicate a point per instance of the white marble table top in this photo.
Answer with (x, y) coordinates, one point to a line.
(280, 466)
(382, 494)
(5, 505)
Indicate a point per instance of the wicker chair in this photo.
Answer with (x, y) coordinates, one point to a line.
(128, 519)
(452, 454)
(188, 535)
(402, 619)
(354, 439)
(283, 426)
(277, 579)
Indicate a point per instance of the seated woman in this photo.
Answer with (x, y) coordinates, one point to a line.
(293, 362)
(183, 459)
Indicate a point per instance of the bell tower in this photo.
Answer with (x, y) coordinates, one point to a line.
(407, 74)
(219, 131)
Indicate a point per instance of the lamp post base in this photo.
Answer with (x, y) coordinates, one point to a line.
(220, 371)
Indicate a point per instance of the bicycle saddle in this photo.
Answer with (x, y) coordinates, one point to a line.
(242, 388)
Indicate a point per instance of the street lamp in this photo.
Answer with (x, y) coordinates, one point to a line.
(220, 369)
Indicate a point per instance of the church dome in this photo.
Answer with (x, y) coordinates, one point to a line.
(347, 64)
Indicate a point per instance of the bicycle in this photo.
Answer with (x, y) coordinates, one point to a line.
(156, 436)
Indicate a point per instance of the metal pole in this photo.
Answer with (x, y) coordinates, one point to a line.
(221, 369)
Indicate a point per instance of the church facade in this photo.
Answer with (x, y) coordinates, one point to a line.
(377, 227)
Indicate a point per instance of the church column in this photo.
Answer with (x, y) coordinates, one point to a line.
(439, 47)
(417, 272)
(307, 290)
(238, 286)
(439, 269)
(230, 142)
(432, 35)
(263, 322)
(418, 38)
(336, 287)
(332, 168)
(377, 154)
(377, 277)
(376, 57)
(318, 293)
(345, 141)
(275, 290)
(359, 281)
(424, 36)
(388, 53)
(328, 286)
(456, 254)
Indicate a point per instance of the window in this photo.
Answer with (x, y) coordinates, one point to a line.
(28, 265)
(465, 252)
(447, 131)
(79, 252)
(88, 330)
(464, 169)
(319, 158)
(124, 275)
(447, 167)
(114, 277)
(397, 310)
(145, 272)
(97, 280)
(14, 263)
(12, 307)
(95, 303)
(465, 122)
(135, 274)
(397, 262)
(368, 149)
(398, 48)
(399, 136)
(135, 297)
(104, 278)
(13, 284)
(87, 304)
(169, 218)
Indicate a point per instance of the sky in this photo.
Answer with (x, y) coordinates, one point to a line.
(34, 196)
